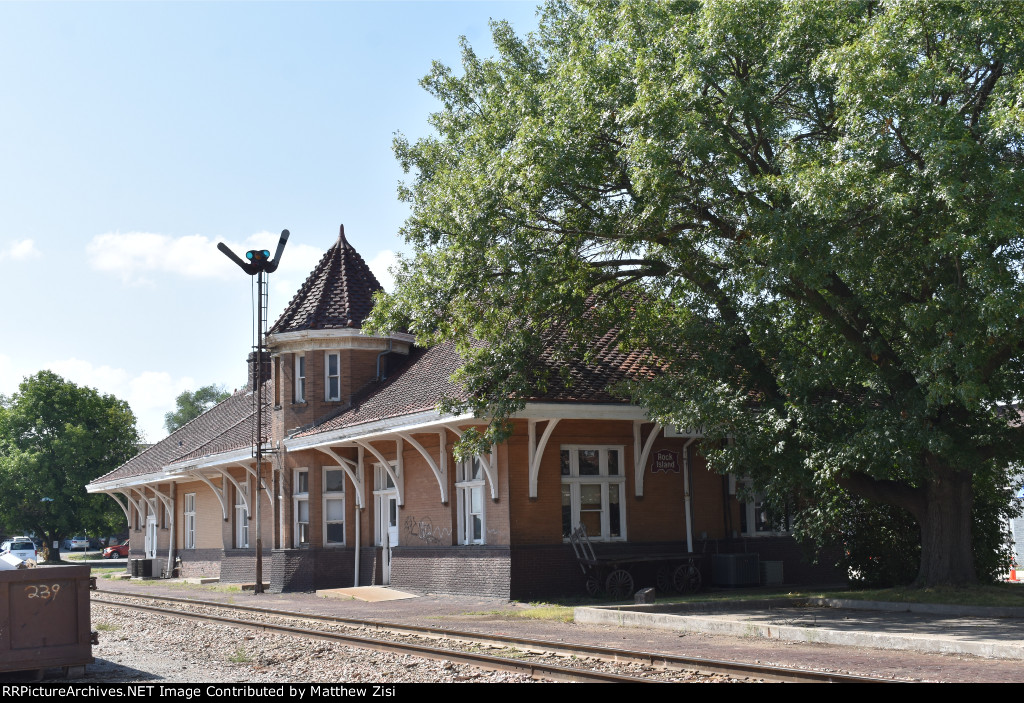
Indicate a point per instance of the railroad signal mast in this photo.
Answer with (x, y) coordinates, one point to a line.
(258, 263)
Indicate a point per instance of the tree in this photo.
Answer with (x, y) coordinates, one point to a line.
(809, 213)
(55, 437)
(193, 404)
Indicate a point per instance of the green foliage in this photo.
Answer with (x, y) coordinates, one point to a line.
(193, 404)
(55, 437)
(809, 213)
(880, 544)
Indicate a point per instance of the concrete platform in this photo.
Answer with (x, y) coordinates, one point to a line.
(370, 594)
(983, 632)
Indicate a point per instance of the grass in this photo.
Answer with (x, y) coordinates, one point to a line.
(1004, 595)
(534, 611)
(107, 627)
(999, 594)
(78, 556)
(108, 573)
(223, 588)
(239, 656)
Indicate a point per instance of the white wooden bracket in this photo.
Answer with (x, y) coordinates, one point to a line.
(489, 461)
(537, 450)
(640, 455)
(352, 470)
(238, 487)
(440, 469)
(218, 492)
(396, 475)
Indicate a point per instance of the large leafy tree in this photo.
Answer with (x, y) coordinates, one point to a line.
(192, 404)
(809, 212)
(55, 437)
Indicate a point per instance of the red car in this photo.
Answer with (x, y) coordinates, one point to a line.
(117, 551)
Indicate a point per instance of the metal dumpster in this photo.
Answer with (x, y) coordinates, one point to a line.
(45, 620)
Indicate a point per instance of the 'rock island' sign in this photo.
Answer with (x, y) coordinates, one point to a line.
(665, 460)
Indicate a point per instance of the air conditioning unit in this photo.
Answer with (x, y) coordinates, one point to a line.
(735, 569)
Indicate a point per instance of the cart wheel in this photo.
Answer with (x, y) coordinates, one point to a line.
(619, 584)
(593, 585)
(664, 582)
(686, 578)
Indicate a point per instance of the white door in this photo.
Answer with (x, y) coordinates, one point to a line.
(151, 537)
(387, 529)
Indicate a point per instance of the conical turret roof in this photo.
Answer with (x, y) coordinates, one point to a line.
(338, 293)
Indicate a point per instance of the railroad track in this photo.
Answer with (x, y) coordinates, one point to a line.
(395, 638)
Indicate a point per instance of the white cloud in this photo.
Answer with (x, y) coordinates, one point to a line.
(10, 375)
(130, 255)
(20, 250)
(133, 255)
(381, 265)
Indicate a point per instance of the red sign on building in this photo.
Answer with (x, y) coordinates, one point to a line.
(665, 460)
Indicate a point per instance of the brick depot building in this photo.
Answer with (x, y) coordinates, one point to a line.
(361, 486)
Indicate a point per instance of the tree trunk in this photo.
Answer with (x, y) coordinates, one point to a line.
(947, 553)
(943, 509)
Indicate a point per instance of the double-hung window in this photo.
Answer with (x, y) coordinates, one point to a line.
(300, 504)
(593, 491)
(190, 521)
(469, 487)
(300, 379)
(241, 517)
(332, 376)
(334, 507)
(757, 519)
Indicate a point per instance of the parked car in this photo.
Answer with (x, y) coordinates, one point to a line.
(116, 551)
(21, 547)
(76, 543)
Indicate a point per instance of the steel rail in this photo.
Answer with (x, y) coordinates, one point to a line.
(540, 670)
(608, 654)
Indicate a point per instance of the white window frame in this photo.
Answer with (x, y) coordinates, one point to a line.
(328, 396)
(383, 485)
(750, 503)
(465, 486)
(300, 378)
(297, 499)
(242, 517)
(190, 520)
(574, 482)
(333, 495)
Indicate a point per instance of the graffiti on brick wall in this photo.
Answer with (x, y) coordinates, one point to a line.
(425, 531)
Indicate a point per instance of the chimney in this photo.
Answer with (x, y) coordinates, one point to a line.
(252, 369)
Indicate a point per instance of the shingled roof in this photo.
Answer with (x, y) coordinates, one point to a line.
(338, 293)
(425, 380)
(227, 426)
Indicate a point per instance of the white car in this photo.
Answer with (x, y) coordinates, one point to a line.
(76, 543)
(21, 547)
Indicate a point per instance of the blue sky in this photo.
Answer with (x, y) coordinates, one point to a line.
(135, 136)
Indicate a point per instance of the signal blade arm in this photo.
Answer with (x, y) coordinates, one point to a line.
(247, 267)
(272, 264)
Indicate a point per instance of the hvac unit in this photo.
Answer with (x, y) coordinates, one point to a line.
(735, 569)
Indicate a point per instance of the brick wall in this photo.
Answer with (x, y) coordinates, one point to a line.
(239, 566)
(306, 570)
(199, 563)
(471, 570)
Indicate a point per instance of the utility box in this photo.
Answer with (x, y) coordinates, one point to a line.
(771, 573)
(46, 618)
